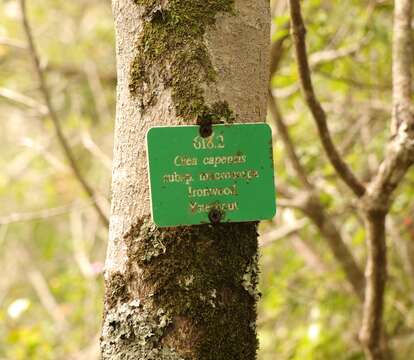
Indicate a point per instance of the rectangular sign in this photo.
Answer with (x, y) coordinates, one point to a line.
(225, 177)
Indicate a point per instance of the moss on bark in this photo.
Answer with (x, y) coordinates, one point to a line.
(171, 54)
(205, 281)
(188, 293)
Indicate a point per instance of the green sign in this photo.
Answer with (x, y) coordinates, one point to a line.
(225, 177)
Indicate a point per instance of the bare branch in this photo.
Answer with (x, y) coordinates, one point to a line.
(279, 233)
(46, 297)
(94, 149)
(309, 254)
(5, 41)
(355, 83)
(287, 142)
(79, 247)
(42, 289)
(316, 59)
(23, 100)
(371, 333)
(327, 56)
(310, 205)
(276, 51)
(96, 87)
(402, 62)
(377, 201)
(53, 115)
(319, 115)
(327, 227)
(40, 214)
(308, 202)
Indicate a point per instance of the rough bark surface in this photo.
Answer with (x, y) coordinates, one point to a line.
(187, 292)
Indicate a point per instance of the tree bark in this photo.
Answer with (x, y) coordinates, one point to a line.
(185, 292)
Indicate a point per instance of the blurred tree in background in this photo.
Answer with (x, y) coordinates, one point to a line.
(53, 242)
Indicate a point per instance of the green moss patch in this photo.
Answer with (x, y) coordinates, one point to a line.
(171, 54)
(205, 280)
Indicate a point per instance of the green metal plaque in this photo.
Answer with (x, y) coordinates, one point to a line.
(225, 177)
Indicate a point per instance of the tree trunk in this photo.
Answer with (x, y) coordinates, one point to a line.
(184, 292)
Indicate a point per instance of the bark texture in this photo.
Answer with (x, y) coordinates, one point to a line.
(187, 292)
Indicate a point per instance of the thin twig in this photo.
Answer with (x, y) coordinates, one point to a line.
(42, 289)
(287, 142)
(94, 149)
(5, 41)
(40, 214)
(279, 233)
(319, 115)
(308, 201)
(97, 89)
(310, 255)
(53, 115)
(354, 83)
(78, 245)
(276, 50)
(328, 56)
(315, 210)
(23, 100)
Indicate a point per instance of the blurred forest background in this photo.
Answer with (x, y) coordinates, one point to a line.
(52, 243)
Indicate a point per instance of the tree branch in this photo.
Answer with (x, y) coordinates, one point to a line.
(308, 201)
(23, 100)
(402, 62)
(319, 115)
(276, 51)
(5, 41)
(41, 214)
(378, 198)
(376, 272)
(310, 255)
(279, 233)
(314, 209)
(53, 115)
(287, 142)
(327, 56)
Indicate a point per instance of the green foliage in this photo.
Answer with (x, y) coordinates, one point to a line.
(51, 292)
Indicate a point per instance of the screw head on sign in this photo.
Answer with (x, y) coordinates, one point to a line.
(206, 130)
(215, 216)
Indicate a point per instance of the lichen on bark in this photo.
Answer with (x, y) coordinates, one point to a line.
(172, 54)
(199, 282)
(185, 293)
(251, 277)
(132, 332)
